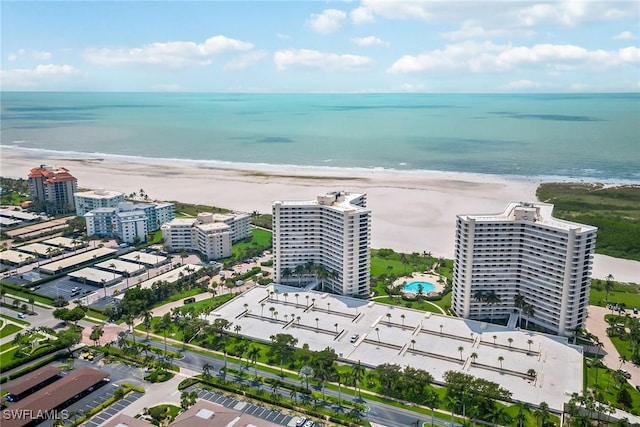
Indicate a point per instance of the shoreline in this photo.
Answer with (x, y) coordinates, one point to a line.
(413, 211)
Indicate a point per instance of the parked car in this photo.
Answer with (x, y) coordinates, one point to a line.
(635, 310)
(354, 337)
(301, 421)
(21, 316)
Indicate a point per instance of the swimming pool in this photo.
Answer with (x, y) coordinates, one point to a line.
(413, 287)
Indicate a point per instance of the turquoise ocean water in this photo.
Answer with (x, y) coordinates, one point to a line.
(583, 136)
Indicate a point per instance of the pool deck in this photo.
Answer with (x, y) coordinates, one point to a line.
(421, 277)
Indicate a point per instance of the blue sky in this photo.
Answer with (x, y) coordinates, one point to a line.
(333, 46)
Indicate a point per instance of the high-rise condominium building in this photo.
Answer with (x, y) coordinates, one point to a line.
(210, 234)
(523, 261)
(99, 198)
(334, 232)
(52, 189)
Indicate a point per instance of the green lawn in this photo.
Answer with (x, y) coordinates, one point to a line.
(9, 329)
(177, 297)
(422, 305)
(607, 386)
(19, 292)
(260, 241)
(627, 293)
(199, 306)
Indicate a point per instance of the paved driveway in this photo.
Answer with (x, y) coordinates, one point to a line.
(598, 327)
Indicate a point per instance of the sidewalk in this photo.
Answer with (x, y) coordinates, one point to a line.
(598, 327)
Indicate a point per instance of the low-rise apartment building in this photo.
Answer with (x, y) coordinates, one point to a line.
(210, 234)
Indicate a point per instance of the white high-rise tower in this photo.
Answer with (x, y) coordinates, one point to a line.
(334, 232)
(536, 265)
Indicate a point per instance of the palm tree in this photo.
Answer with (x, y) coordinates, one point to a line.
(357, 372)
(495, 337)
(413, 344)
(608, 286)
(306, 372)
(254, 352)
(500, 359)
(431, 399)
(492, 298)
(147, 315)
(104, 286)
(297, 295)
(528, 311)
(32, 301)
(510, 341)
(378, 332)
(474, 357)
(529, 342)
(521, 417)
(519, 302)
(206, 370)
(402, 318)
(460, 349)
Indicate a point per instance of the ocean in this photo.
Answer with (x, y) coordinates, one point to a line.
(574, 136)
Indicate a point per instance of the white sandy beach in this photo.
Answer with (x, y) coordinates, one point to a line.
(412, 211)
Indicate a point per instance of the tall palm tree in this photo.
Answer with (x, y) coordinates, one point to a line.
(500, 359)
(357, 373)
(431, 399)
(460, 350)
(306, 372)
(528, 311)
(147, 315)
(474, 357)
(492, 299)
(519, 302)
(608, 286)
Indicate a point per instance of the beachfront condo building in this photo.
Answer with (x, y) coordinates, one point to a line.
(523, 262)
(52, 189)
(100, 198)
(332, 232)
(129, 222)
(209, 234)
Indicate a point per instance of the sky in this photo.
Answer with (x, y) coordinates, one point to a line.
(443, 46)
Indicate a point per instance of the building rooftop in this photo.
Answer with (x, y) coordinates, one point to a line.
(541, 213)
(214, 226)
(55, 395)
(338, 200)
(99, 193)
(52, 174)
(32, 379)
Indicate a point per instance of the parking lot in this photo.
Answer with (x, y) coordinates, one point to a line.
(114, 409)
(258, 411)
(63, 287)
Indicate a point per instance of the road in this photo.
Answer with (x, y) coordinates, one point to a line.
(379, 413)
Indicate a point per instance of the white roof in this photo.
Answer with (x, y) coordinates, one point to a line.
(94, 275)
(14, 256)
(32, 248)
(82, 257)
(99, 194)
(25, 216)
(60, 241)
(120, 266)
(171, 275)
(143, 258)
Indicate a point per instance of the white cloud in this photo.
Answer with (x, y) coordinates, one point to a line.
(21, 78)
(362, 15)
(574, 12)
(489, 57)
(38, 55)
(170, 54)
(472, 30)
(245, 61)
(369, 41)
(327, 22)
(412, 87)
(312, 59)
(625, 35)
(399, 9)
